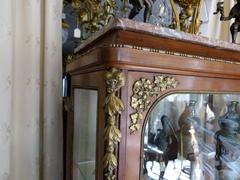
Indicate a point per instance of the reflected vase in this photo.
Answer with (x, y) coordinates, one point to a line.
(230, 123)
(187, 121)
(228, 134)
(189, 149)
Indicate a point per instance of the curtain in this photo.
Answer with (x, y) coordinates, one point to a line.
(30, 94)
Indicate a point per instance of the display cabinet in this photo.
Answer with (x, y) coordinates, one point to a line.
(153, 103)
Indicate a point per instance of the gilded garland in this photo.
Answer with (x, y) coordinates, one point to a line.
(113, 107)
(143, 91)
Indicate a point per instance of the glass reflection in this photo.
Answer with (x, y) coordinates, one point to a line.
(84, 137)
(193, 137)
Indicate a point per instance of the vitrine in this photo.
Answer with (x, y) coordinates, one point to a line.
(153, 103)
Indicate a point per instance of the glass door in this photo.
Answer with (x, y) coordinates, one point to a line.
(84, 136)
(192, 137)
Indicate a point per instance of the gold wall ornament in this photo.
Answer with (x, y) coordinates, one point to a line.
(176, 14)
(93, 14)
(143, 91)
(113, 107)
(187, 19)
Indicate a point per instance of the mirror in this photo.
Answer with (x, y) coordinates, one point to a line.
(192, 137)
(84, 136)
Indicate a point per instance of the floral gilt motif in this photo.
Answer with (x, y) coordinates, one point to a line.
(113, 107)
(143, 91)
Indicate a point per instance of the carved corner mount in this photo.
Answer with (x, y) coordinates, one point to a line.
(143, 92)
(113, 107)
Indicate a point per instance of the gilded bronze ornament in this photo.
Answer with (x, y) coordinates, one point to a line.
(233, 14)
(138, 5)
(143, 91)
(188, 19)
(113, 107)
(93, 14)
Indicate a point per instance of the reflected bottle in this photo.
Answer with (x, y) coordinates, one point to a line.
(189, 149)
(185, 122)
(230, 123)
(189, 117)
(229, 132)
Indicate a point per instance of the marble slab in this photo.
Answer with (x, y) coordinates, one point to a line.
(146, 28)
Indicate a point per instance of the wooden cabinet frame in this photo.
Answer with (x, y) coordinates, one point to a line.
(197, 67)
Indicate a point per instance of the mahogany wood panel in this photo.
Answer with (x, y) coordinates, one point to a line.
(92, 81)
(186, 84)
(117, 36)
(140, 60)
(123, 127)
(106, 39)
(194, 75)
(145, 40)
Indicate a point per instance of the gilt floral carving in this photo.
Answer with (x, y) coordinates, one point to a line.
(143, 92)
(113, 107)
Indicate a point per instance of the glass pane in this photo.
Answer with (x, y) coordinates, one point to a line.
(193, 137)
(84, 139)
